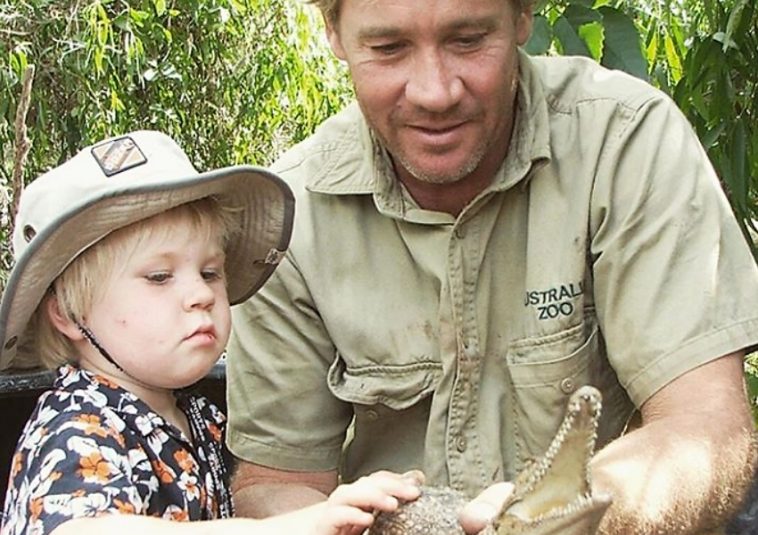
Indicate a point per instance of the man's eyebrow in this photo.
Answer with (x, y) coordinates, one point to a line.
(375, 32)
(464, 23)
(473, 23)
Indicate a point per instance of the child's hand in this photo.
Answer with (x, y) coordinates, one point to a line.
(351, 508)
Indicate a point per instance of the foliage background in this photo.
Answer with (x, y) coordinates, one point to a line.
(232, 80)
(239, 80)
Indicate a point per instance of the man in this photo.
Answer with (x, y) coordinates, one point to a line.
(479, 236)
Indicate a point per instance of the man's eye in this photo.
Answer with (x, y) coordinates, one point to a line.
(158, 277)
(470, 41)
(387, 49)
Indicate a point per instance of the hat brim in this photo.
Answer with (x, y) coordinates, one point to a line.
(266, 209)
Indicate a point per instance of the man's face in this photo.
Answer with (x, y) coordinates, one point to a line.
(436, 79)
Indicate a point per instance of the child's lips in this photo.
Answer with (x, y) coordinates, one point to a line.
(207, 334)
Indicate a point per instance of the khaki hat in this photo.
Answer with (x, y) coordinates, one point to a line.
(115, 183)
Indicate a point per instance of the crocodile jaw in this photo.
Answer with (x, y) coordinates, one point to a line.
(553, 495)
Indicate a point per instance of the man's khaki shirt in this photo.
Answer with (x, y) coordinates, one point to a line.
(604, 252)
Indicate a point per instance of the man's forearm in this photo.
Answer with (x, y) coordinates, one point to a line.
(261, 491)
(268, 499)
(666, 479)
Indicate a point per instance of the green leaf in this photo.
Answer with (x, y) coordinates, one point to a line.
(623, 48)
(586, 25)
(580, 3)
(578, 15)
(752, 387)
(542, 35)
(540, 5)
(122, 22)
(734, 21)
(569, 39)
(711, 136)
(160, 7)
(740, 176)
(652, 49)
(672, 56)
(726, 41)
(593, 34)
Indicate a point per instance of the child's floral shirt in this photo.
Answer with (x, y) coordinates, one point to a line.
(91, 447)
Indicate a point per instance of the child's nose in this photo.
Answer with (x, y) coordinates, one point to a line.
(200, 294)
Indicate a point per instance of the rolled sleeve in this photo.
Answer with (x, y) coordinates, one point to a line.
(675, 283)
(281, 412)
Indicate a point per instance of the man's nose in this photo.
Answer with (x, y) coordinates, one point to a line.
(432, 82)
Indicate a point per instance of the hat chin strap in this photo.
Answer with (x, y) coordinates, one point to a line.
(92, 340)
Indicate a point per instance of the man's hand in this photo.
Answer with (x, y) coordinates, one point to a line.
(689, 464)
(480, 511)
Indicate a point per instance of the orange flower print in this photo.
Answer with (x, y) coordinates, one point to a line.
(163, 471)
(17, 463)
(93, 466)
(35, 508)
(215, 432)
(105, 381)
(119, 438)
(189, 486)
(179, 515)
(92, 425)
(125, 508)
(185, 460)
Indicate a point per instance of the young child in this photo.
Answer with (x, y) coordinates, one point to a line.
(127, 260)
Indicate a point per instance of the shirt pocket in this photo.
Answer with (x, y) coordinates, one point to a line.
(391, 406)
(546, 370)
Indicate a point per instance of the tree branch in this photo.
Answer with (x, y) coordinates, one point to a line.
(23, 144)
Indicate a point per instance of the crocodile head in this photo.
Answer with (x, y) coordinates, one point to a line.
(551, 496)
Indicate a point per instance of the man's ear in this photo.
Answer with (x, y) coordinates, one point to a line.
(62, 322)
(335, 42)
(524, 25)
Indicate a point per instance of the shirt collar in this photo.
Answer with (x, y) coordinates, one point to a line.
(356, 163)
(135, 412)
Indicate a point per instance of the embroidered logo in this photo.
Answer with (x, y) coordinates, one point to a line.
(554, 302)
(118, 155)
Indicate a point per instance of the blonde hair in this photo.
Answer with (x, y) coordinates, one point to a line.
(79, 286)
(330, 9)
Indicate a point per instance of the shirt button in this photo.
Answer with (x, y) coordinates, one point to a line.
(468, 349)
(461, 444)
(567, 385)
(460, 233)
(372, 415)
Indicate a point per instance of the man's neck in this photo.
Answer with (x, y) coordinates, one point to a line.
(450, 198)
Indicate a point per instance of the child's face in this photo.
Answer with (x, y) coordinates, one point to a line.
(164, 315)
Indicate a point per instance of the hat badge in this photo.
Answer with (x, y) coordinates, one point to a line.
(118, 155)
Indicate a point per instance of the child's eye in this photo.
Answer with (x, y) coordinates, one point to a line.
(211, 275)
(158, 277)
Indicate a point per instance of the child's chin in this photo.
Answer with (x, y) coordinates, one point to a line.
(192, 378)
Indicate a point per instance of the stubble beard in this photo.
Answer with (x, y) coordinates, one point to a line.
(403, 158)
(443, 177)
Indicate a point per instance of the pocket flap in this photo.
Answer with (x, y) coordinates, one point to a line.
(398, 387)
